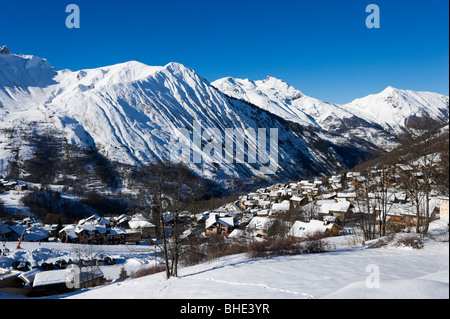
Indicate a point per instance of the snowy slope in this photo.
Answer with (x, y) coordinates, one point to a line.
(404, 273)
(342, 273)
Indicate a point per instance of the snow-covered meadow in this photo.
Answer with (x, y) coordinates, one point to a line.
(348, 271)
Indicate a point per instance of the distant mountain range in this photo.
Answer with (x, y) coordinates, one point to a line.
(377, 118)
(132, 114)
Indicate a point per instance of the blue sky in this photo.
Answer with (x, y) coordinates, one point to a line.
(321, 47)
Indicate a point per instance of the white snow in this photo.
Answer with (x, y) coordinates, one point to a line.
(344, 272)
(386, 112)
(340, 274)
(133, 112)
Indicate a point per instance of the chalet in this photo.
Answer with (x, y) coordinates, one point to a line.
(295, 191)
(399, 198)
(81, 234)
(264, 204)
(248, 204)
(121, 221)
(348, 196)
(405, 215)
(443, 206)
(219, 225)
(116, 236)
(303, 229)
(32, 234)
(327, 196)
(296, 201)
(53, 282)
(402, 169)
(141, 224)
(261, 226)
(284, 206)
(273, 196)
(5, 232)
(264, 196)
(263, 213)
(335, 187)
(341, 209)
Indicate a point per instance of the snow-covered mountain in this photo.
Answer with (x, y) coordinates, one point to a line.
(132, 113)
(377, 118)
(395, 109)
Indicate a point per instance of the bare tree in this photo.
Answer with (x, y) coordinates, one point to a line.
(367, 217)
(383, 196)
(420, 179)
(169, 188)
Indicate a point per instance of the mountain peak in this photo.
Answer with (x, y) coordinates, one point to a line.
(276, 85)
(272, 79)
(390, 90)
(4, 50)
(176, 67)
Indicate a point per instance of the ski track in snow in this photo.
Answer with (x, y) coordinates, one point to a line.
(265, 286)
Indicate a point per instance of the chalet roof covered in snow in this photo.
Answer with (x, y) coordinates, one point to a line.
(260, 223)
(302, 229)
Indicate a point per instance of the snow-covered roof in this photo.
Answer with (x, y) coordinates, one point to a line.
(30, 234)
(283, 206)
(139, 221)
(296, 198)
(215, 217)
(261, 223)
(55, 277)
(116, 231)
(346, 195)
(301, 229)
(136, 224)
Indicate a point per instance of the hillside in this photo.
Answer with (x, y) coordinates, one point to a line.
(405, 273)
(378, 118)
(104, 120)
(131, 114)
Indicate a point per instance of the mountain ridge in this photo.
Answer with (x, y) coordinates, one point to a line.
(132, 113)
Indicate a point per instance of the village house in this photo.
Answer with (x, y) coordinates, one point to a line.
(341, 209)
(405, 215)
(31, 234)
(262, 227)
(5, 232)
(219, 225)
(142, 225)
(118, 236)
(348, 196)
(443, 206)
(263, 213)
(296, 201)
(284, 206)
(264, 204)
(96, 230)
(326, 227)
(81, 234)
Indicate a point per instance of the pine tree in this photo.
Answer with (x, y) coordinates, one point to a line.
(123, 273)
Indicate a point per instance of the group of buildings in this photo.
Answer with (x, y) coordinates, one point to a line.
(327, 206)
(94, 230)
